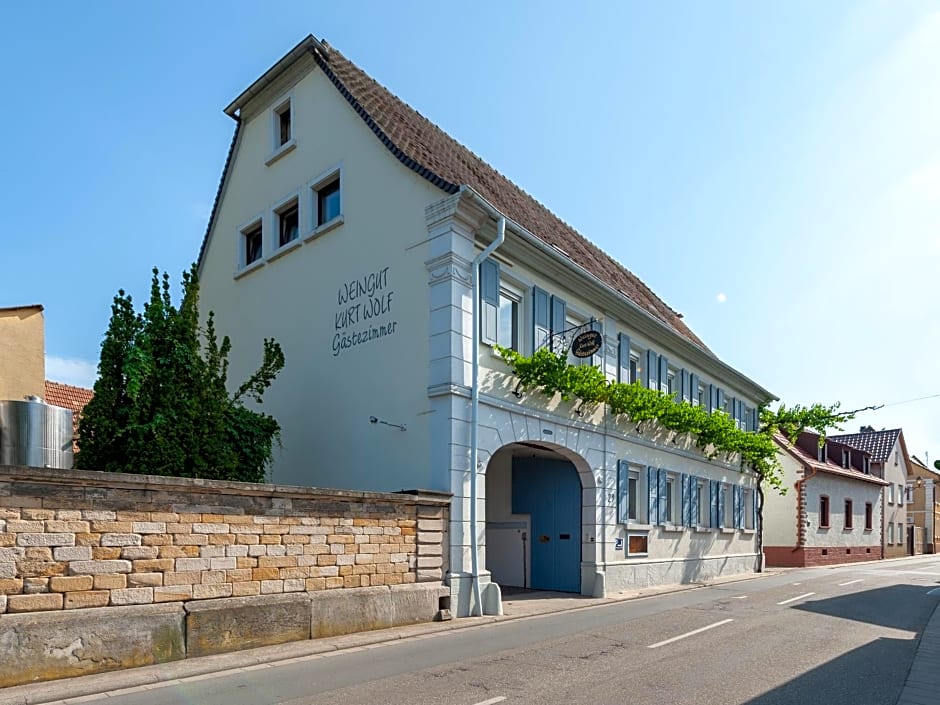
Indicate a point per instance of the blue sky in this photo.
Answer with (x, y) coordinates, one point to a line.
(771, 170)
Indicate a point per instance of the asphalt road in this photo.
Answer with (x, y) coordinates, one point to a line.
(837, 636)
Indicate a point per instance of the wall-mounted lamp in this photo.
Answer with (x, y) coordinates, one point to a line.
(376, 420)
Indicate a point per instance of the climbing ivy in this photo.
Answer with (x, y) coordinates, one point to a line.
(713, 433)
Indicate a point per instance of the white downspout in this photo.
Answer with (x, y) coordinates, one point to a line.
(475, 407)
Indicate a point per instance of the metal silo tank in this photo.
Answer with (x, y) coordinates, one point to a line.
(36, 434)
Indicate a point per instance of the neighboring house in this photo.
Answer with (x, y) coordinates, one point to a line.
(924, 505)
(22, 352)
(69, 397)
(890, 462)
(346, 226)
(832, 510)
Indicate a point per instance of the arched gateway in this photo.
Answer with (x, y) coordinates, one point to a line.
(535, 503)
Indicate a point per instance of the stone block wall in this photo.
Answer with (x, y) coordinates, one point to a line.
(73, 539)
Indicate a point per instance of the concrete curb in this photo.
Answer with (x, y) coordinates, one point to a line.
(75, 690)
(923, 680)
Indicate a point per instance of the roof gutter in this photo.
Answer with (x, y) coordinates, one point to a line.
(705, 361)
(475, 402)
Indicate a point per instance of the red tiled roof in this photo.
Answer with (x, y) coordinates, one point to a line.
(827, 466)
(424, 148)
(878, 443)
(69, 397)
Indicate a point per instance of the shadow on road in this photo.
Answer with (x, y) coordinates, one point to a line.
(873, 674)
(905, 607)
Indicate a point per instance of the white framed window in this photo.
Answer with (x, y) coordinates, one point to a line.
(703, 502)
(287, 220)
(891, 494)
(509, 316)
(900, 495)
(670, 505)
(326, 202)
(634, 368)
(632, 494)
(728, 518)
(283, 123)
(749, 518)
(671, 388)
(890, 539)
(702, 395)
(282, 129)
(846, 458)
(251, 243)
(637, 543)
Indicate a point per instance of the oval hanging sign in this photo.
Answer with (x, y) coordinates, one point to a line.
(586, 344)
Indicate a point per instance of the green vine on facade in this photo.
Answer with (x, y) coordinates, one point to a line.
(713, 433)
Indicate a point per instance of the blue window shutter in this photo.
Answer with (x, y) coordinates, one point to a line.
(652, 485)
(559, 310)
(662, 496)
(663, 373)
(541, 320)
(710, 399)
(489, 300)
(722, 489)
(623, 492)
(597, 359)
(685, 388)
(624, 358)
(693, 388)
(694, 509)
(686, 501)
(738, 507)
(652, 369)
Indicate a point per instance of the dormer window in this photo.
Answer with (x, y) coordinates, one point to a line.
(866, 465)
(821, 453)
(846, 458)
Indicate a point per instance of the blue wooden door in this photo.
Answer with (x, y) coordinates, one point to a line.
(550, 492)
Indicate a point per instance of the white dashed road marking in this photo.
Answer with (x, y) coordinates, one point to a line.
(851, 582)
(688, 634)
(794, 599)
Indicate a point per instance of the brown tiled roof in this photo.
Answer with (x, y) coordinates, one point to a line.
(69, 397)
(432, 153)
(878, 443)
(827, 466)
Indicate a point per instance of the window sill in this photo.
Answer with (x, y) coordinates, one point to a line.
(726, 531)
(285, 148)
(633, 526)
(249, 268)
(637, 555)
(284, 249)
(672, 528)
(325, 228)
(702, 529)
(748, 532)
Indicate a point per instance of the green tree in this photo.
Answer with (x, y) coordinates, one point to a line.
(161, 404)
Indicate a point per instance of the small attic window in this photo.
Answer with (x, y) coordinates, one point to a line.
(283, 124)
(821, 453)
(282, 130)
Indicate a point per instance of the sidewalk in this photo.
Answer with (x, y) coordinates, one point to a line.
(922, 688)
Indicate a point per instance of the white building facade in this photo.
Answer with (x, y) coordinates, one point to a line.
(346, 227)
